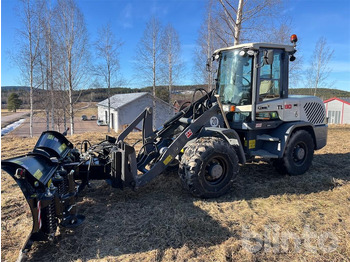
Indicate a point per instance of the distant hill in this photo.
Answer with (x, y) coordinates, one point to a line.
(323, 93)
(15, 88)
(99, 94)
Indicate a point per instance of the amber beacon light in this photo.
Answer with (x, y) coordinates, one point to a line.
(293, 39)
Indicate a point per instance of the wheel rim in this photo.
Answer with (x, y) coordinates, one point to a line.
(216, 170)
(300, 153)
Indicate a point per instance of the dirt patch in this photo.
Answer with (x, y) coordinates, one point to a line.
(80, 126)
(162, 222)
(10, 117)
(40, 125)
(6, 113)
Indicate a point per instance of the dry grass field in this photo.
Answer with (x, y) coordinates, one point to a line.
(265, 217)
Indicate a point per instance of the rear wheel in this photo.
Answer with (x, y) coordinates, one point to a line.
(208, 167)
(298, 154)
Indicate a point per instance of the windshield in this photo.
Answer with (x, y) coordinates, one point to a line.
(235, 78)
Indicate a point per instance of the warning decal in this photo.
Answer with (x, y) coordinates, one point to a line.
(189, 133)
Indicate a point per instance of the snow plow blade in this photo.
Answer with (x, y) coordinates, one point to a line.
(48, 188)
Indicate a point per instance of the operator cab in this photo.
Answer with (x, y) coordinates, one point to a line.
(250, 78)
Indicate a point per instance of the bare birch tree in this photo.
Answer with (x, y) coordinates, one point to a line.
(62, 98)
(107, 68)
(171, 50)
(73, 41)
(230, 22)
(319, 69)
(61, 87)
(29, 37)
(46, 62)
(148, 56)
(49, 46)
(42, 77)
(208, 40)
(248, 17)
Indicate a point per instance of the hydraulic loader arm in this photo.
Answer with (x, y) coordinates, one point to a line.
(175, 147)
(153, 163)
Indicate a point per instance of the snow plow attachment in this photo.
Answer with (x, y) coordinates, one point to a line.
(48, 188)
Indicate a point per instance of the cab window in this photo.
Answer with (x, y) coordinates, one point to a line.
(235, 78)
(270, 79)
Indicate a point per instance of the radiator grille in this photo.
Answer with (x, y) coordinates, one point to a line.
(314, 112)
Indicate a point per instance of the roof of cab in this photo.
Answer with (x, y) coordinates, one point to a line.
(257, 46)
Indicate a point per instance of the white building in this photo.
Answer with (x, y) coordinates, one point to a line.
(126, 107)
(338, 110)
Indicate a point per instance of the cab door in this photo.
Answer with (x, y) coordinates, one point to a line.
(270, 77)
(271, 85)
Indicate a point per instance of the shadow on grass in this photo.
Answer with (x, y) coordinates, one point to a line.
(157, 217)
(262, 180)
(162, 215)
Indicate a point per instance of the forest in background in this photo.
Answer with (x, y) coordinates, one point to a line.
(178, 92)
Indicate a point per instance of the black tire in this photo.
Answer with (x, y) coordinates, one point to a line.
(172, 167)
(298, 155)
(208, 167)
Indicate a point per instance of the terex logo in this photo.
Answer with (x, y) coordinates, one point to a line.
(289, 106)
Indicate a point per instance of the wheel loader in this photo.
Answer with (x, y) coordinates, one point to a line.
(248, 114)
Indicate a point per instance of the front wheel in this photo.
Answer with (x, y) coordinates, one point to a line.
(208, 167)
(298, 155)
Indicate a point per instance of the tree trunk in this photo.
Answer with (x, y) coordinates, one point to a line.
(31, 63)
(209, 46)
(170, 60)
(70, 93)
(71, 110)
(52, 112)
(47, 119)
(170, 79)
(64, 117)
(52, 96)
(109, 100)
(31, 102)
(51, 79)
(154, 80)
(238, 24)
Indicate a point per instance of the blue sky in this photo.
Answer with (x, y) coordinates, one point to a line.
(311, 20)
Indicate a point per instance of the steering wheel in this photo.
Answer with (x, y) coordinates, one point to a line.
(246, 79)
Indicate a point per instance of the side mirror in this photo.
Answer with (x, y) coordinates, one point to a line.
(268, 57)
(210, 62)
(208, 65)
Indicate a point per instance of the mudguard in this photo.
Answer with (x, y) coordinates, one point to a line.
(230, 136)
(285, 131)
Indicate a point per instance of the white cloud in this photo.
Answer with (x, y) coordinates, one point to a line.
(127, 21)
(158, 10)
(127, 11)
(288, 10)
